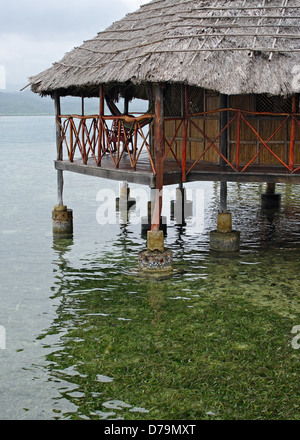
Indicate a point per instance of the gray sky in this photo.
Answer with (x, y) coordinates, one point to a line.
(36, 33)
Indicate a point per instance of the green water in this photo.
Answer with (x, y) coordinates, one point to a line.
(87, 338)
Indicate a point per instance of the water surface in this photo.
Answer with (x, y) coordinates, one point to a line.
(87, 338)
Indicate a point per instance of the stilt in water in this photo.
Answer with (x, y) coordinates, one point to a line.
(181, 208)
(125, 202)
(224, 239)
(146, 222)
(270, 200)
(62, 217)
(156, 258)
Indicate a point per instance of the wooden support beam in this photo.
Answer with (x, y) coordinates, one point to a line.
(59, 149)
(223, 123)
(293, 131)
(101, 114)
(185, 132)
(158, 154)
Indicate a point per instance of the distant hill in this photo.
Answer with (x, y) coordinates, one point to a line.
(27, 103)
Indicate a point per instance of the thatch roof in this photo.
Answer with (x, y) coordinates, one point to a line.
(234, 47)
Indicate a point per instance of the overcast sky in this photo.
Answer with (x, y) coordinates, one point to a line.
(36, 33)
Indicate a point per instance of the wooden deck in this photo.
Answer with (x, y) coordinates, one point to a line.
(172, 173)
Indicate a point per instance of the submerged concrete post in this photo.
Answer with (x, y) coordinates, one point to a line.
(270, 200)
(224, 239)
(156, 258)
(62, 221)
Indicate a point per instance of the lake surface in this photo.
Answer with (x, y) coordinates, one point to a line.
(86, 337)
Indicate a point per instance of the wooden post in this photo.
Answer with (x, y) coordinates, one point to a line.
(223, 123)
(101, 113)
(126, 105)
(159, 155)
(59, 149)
(224, 150)
(293, 130)
(185, 133)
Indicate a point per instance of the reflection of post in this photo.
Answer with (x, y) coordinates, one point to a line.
(270, 200)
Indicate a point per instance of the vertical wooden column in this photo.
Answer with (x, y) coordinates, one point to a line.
(60, 178)
(223, 123)
(224, 150)
(159, 155)
(185, 132)
(62, 218)
(101, 114)
(293, 130)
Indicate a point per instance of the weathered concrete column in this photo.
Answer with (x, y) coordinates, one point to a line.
(224, 239)
(270, 200)
(156, 258)
(62, 217)
(124, 202)
(181, 208)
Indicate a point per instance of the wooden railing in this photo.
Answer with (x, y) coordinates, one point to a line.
(238, 120)
(90, 138)
(93, 137)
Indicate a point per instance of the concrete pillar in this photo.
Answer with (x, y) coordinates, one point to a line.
(270, 200)
(62, 217)
(181, 208)
(62, 221)
(156, 258)
(124, 202)
(224, 239)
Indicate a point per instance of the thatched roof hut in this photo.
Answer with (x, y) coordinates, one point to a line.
(232, 47)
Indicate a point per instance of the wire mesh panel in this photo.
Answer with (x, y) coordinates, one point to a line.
(196, 100)
(276, 104)
(173, 100)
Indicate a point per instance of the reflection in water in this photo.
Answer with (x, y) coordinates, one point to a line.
(210, 341)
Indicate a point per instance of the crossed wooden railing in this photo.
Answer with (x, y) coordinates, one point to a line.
(93, 137)
(236, 119)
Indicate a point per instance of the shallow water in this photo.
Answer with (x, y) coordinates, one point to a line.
(86, 337)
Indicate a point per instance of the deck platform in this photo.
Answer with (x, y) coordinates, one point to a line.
(172, 173)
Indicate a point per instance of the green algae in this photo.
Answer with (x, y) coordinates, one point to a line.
(187, 347)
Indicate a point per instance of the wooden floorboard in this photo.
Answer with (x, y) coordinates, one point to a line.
(172, 173)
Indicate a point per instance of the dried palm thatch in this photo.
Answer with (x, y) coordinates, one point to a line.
(233, 47)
